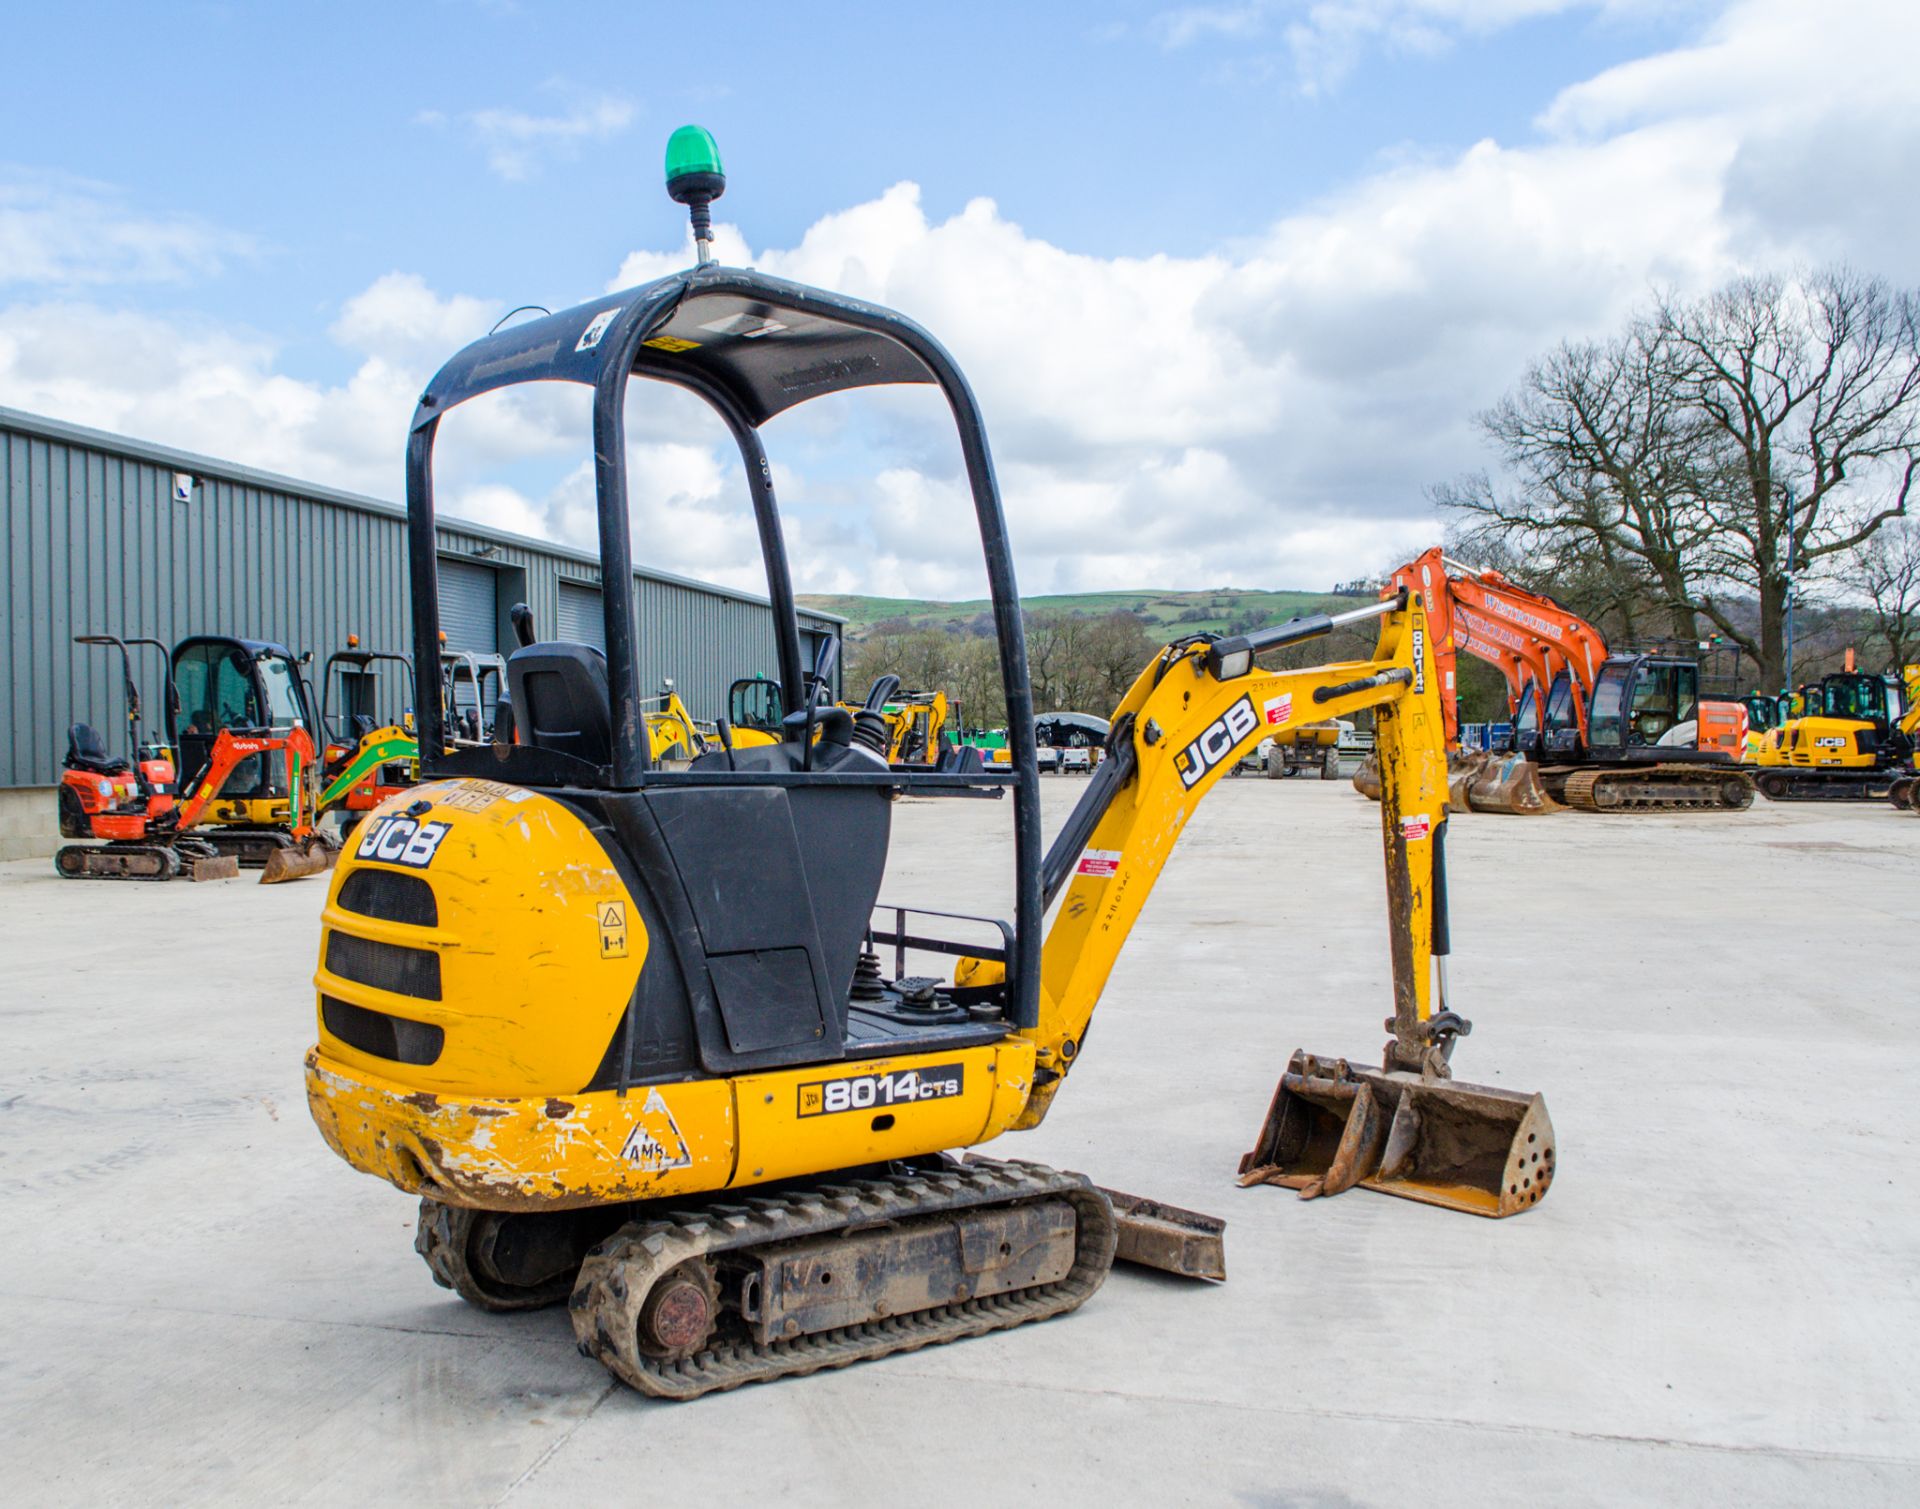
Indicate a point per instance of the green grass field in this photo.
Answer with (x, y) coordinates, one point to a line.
(1210, 610)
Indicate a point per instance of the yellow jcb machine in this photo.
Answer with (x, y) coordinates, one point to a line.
(626, 1030)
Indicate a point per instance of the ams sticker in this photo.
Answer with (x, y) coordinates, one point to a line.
(655, 1143)
(862, 1092)
(401, 841)
(1216, 742)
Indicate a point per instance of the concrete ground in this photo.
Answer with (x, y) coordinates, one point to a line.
(1718, 1304)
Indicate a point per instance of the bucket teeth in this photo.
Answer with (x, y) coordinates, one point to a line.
(1472, 1148)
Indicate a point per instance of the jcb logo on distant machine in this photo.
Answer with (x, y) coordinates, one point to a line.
(862, 1092)
(1217, 742)
(401, 841)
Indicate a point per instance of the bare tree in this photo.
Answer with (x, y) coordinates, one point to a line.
(1885, 572)
(1810, 392)
(1679, 469)
(1604, 458)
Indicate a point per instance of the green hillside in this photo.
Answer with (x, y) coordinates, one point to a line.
(1178, 612)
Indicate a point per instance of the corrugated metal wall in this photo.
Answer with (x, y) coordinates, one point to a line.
(95, 543)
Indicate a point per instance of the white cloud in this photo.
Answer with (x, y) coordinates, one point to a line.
(65, 232)
(517, 142)
(1267, 415)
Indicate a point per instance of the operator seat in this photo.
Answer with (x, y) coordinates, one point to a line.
(560, 702)
(86, 750)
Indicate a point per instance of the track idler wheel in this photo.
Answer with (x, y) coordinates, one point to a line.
(1774, 784)
(678, 1314)
(496, 1261)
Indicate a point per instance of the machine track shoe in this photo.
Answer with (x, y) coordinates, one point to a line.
(682, 1304)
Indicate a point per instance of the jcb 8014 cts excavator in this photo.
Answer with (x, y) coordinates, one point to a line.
(1598, 731)
(625, 1029)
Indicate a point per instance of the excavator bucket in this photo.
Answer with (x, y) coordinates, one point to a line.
(297, 861)
(1463, 768)
(1366, 779)
(1475, 1148)
(1508, 783)
(1325, 1130)
(1472, 1148)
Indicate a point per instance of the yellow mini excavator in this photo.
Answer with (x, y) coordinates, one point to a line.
(625, 1030)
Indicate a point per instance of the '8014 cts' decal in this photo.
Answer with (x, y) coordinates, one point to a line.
(863, 1092)
(401, 841)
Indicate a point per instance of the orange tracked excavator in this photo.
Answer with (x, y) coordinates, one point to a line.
(1593, 730)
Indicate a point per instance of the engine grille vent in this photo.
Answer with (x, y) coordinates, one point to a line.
(385, 966)
(383, 1036)
(390, 897)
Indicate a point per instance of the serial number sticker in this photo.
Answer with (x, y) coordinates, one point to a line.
(1099, 862)
(1279, 709)
(401, 841)
(862, 1092)
(476, 796)
(1416, 827)
(612, 917)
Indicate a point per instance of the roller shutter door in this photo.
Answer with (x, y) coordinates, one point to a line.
(468, 615)
(582, 618)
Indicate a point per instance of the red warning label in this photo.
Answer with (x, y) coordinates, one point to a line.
(1099, 862)
(1418, 826)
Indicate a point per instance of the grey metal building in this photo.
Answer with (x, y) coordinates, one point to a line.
(109, 535)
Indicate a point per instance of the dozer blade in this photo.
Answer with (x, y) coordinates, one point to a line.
(1511, 784)
(314, 857)
(1166, 1237)
(1324, 1131)
(1472, 1148)
(214, 867)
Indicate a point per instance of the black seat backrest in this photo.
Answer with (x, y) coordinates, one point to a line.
(86, 750)
(560, 701)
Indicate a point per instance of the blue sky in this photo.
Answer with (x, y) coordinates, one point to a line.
(1369, 212)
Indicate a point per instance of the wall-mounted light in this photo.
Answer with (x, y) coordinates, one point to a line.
(486, 551)
(182, 487)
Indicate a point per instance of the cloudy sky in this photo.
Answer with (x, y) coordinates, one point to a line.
(1231, 280)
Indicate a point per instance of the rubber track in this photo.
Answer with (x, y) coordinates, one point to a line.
(76, 862)
(1810, 784)
(616, 1276)
(1664, 788)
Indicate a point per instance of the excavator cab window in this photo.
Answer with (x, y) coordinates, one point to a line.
(284, 704)
(1605, 719)
(1862, 698)
(1526, 721)
(1664, 696)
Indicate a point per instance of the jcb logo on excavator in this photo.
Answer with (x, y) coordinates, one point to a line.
(1216, 742)
(401, 841)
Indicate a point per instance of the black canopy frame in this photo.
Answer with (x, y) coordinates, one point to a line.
(751, 346)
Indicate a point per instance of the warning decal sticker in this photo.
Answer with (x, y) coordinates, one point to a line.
(612, 918)
(1099, 863)
(671, 343)
(1415, 827)
(655, 1143)
(1279, 709)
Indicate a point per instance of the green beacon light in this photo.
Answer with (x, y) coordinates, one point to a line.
(695, 179)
